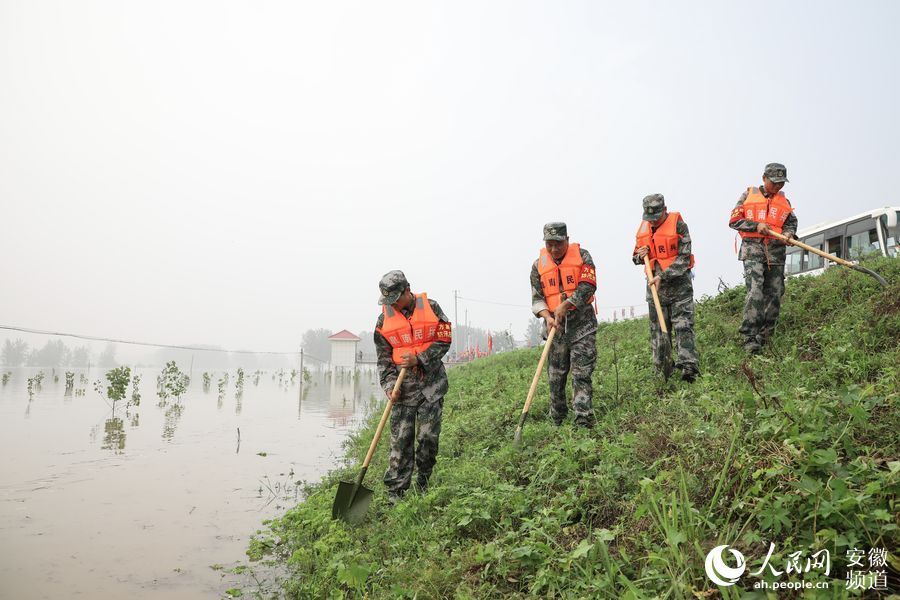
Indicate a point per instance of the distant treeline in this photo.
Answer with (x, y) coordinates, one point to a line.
(55, 353)
(315, 344)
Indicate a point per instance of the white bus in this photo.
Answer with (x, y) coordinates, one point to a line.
(872, 232)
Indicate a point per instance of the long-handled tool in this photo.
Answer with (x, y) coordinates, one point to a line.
(831, 257)
(353, 499)
(665, 348)
(537, 375)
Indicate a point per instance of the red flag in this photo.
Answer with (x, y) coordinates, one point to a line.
(490, 343)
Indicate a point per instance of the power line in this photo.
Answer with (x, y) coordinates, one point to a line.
(135, 343)
(496, 303)
(529, 306)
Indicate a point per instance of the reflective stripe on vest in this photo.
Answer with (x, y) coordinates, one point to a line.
(772, 211)
(564, 277)
(413, 335)
(663, 242)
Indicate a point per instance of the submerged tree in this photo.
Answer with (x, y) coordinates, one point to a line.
(171, 383)
(116, 390)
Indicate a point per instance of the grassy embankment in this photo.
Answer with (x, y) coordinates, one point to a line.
(798, 445)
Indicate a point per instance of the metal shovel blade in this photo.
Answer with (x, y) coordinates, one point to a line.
(348, 507)
(517, 437)
(665, 350)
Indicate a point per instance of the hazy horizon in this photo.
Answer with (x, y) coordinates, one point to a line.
(234, 174)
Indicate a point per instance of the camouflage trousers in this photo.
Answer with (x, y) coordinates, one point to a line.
(579, 357)
(679, 316)
(404, 454)
(765, 287)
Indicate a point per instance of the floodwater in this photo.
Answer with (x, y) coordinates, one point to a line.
(157, 501)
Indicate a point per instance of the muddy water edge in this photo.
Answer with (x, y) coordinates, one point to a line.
(157, 499)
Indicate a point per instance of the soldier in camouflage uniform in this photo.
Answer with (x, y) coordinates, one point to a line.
(421, 395)
(672, 278)
(763, 255)
(574, 347)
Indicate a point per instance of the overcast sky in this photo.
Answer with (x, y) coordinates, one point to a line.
(234, 173)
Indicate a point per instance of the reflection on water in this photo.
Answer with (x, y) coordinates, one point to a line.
(172, 417)
(114, 435)
(136, 390)
(283, 491)
(127, 512)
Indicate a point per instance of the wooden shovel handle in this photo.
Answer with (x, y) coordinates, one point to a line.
(659, 313)
(809, 248)
(384, 418)
(537, 374)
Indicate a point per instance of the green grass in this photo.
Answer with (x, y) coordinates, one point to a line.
(798, 445)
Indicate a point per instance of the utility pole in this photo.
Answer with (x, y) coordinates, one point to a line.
(300, 399)
(467, 329)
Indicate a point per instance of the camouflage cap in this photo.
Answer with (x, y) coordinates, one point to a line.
(776, 172)
(392, 286)
(654, 207)
(555, 231)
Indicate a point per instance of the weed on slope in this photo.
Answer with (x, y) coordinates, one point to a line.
(797, 446)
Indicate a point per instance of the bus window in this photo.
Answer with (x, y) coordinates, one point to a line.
(815, 261)
(793, 261)
(862, 244)
(890, 237)
(834, 246)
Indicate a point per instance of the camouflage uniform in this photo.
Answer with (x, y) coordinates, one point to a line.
(763, 260)
(421, 398)
(676, 298)
(574, 346)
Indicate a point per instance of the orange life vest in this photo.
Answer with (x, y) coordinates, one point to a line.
(663, 242)
(564, 277)
(772, 211)
(415, 334)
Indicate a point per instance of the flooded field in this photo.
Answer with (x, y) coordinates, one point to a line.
(156, 501)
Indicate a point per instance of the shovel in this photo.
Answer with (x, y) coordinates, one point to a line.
(353, 499)
(665, 348)
(831, 257)
(517, 438)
